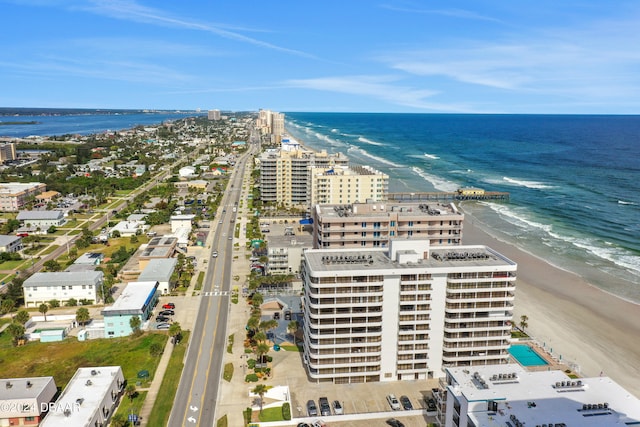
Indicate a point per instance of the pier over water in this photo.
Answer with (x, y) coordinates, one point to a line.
(443, 196)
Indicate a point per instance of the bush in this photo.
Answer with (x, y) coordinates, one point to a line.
(247, 413)
(54, 303)
(72, 302)
(251, 363)
(251, 378)
(286, 411)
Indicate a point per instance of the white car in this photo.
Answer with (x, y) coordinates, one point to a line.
(215, 254)
(393, 402)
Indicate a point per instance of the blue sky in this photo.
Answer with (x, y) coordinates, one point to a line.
(498, 56)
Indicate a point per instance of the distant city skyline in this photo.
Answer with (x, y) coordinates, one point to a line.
(356, 56)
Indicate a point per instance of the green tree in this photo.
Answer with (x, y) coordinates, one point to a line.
(155, 349)
(261, 350)
(44, 308)
(293, 327)
(524, 319)
(72, 302)
(119, 420)
(54, 303)
(257, 299)
(22, 317)
(135, 324)
(7, 305)
(130, 390)
(52, 265)
(16, 330)
(82, 315)
(253, 323)
(175, 329)
(260, 390)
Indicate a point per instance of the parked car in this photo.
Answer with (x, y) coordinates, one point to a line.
(162, 319)
(312, 409)
(163, 326)
(166, 313)
(394, 423)
(303, 425)
(406, 403)
(215, 254)
(169, 306)
(318, 423)
(337, 408)
(325, 409)
(393, 402)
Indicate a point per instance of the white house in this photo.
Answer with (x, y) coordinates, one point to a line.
(24, 401)
(187, 171)
(10, 243)
(129, 228)
(62, 286)
(89, 400)
(41, 219)
(181, 221)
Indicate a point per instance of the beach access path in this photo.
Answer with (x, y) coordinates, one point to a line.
(574, 320)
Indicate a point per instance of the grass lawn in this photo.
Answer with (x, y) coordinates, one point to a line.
(291, 348)
(271, 414)
(49, 250)
(164, 402)
(13, 265)
(131, 406)
(61, 359)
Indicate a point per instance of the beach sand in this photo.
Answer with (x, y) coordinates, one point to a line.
(575, 320)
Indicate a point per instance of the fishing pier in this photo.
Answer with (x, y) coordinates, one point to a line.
(459, 195)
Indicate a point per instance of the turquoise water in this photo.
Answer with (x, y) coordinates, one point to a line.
(526, 356)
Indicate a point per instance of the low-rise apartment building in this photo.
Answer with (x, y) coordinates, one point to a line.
(89, 400)
(508, 395)
(373, 224)
(43, 287)
(406, 312)
(24, 401)
(14, 195)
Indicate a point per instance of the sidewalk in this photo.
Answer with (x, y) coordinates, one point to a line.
(154, 388)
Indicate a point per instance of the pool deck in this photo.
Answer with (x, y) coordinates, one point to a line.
(553, 362)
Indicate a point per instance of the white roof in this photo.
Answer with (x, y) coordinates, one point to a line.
(134, 297)
(83, 396)
(39, 215)
(58, 278)
(536, 398)
(158, 269)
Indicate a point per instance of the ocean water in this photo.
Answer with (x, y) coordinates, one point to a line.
(81, 124)
(574, 181)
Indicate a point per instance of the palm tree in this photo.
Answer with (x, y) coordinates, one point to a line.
(257, 299)
(16, 330)
(43, 309)
(82, 315)
(293, 327)
(22, 317)
(175, 329)
(130, 391)
(523, 322)
(260, 390)
(261, 350)
(253, 323)
(135, 324)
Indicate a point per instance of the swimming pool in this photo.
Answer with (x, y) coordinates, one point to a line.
(526, 356)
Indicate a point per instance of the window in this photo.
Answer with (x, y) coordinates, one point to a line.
(64, 287)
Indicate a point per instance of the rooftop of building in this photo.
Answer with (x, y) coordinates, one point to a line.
(405, 254)
(162, 241)
(383, 209)
(39, 215)
(288, 241)
(158, 269)
(8, 239)
(344, 170)
(134, 297)
(23, 388)
(82, 396)
(17, 187)
(543, 398)
(58, 278)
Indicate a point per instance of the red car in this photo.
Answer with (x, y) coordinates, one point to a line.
(169, 306)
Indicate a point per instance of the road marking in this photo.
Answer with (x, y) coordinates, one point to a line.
(193, 408)
(191, 420)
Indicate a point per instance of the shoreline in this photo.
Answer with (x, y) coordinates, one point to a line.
(570, 317)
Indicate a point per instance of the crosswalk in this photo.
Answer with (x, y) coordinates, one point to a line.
(216, 294)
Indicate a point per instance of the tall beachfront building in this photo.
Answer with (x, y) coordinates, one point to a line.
(373, 224)
(213, 114)
(272, 123)
(285, 173)
(406, 312)
(7, 152)
(348, 185)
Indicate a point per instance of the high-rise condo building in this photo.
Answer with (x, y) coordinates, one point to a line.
(285, 174)
(406, 312)
(373, 224)
(348, 185)
(213, 114)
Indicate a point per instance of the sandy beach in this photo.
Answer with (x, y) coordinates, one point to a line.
(575, 320)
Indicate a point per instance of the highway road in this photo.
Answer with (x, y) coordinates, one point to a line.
(195, 401)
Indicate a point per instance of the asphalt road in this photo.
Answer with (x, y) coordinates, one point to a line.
(195, 401)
